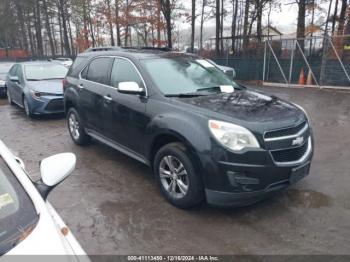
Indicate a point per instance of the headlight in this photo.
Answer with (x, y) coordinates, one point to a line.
(302, 109)
(232, 136)
(2, 83)
(35, 94)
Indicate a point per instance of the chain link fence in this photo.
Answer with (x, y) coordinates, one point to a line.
(312, 61)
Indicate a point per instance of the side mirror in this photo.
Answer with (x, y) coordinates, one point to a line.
(130, 88)
(54, 170)
(14, 79)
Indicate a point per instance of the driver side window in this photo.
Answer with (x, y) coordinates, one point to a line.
(124, 71)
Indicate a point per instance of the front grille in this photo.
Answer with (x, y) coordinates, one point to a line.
(284, 132)
(55, 105)
(290, 154)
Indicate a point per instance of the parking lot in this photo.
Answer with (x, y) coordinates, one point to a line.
(113, 206)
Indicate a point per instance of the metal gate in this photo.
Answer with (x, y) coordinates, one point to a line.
(323, 62)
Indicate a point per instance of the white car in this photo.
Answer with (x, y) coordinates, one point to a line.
(29, 225)
(67, 62)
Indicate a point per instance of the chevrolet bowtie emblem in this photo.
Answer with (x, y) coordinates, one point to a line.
(298, 141)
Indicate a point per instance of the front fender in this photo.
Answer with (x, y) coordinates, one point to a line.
(70, 98)
(193, 131)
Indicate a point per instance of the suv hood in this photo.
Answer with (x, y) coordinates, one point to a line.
(47, 86)
(255, 110)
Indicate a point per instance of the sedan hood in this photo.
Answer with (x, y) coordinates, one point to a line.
(255, 110)
(47, 86)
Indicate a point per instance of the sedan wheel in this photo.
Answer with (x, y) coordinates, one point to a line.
(26, 107)
(9, 99)
(173, 176)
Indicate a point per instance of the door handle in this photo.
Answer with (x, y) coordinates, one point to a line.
(80, 86)
(108, 98)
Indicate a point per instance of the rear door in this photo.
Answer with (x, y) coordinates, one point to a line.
(93, 88)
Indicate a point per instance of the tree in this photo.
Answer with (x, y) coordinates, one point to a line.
(301, 21)
(342, 17)
(167, 9)
(193, 24)
(217, 27)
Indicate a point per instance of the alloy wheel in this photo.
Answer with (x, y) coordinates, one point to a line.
(74, 126)
(173, 176)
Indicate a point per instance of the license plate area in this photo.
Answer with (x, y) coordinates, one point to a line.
(299, 172)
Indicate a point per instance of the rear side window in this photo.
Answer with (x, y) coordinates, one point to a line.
(99, 70)
(124, 71)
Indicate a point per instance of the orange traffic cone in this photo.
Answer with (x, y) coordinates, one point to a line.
(301, 77)
(309, 78)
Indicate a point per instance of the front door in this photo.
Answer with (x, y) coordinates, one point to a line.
(126, 112)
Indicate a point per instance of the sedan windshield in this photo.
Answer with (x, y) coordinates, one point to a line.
(184, 75)
(45, 72)
(17, 212)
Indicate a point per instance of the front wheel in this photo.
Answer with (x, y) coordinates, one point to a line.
(26, 108)
(9, 98)
(76, 128)
(177, 177)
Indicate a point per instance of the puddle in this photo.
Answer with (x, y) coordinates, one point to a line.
(308, 198)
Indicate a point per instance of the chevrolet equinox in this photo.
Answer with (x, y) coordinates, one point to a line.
(205, 136)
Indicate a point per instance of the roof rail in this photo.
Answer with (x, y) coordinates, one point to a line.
(119, 48)
(103, 48)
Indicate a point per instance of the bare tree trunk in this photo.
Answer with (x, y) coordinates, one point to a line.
(167, 10)
(222, 26)
(301, 22)
(234, 23)
(193, 24)
(342, 17)
(119, 42)
(38, 33)
(21, 22)
(204, 2)
(217, 28)
(109, 19)
(335, 14)
(64, 26)
(48, 27)
(259, 9)
(245, 24)
(158, 23)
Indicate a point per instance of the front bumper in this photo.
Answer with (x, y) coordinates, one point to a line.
(46, 105)
(234, 181)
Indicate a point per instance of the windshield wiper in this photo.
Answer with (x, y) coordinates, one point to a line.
(193, 94)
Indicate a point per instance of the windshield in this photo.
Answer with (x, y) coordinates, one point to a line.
(45, 72)
(17, 212)
(184, 75)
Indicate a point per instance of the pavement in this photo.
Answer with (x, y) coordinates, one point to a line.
(113, 206)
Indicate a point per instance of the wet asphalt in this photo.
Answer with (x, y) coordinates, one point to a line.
(113, 206)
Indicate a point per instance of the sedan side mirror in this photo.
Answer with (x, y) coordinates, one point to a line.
(130, 88)
(14, 79)
(54, 170)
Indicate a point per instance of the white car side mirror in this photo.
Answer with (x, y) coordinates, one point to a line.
(57, 168)
(54, 170)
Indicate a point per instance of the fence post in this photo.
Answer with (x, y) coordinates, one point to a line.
(264, 67)
(291, 63)
(324, 60)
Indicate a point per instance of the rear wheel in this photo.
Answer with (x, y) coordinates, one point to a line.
(76, 128)
(176, 176)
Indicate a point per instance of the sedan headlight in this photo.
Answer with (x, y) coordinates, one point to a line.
(232, 136)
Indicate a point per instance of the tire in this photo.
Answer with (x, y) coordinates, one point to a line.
(76, 128)
(27, 108)
(179, 184)
(9, 99)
